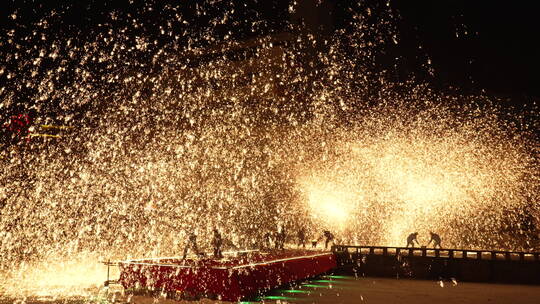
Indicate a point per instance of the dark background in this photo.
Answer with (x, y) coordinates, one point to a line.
(473, 46)
(499, 53)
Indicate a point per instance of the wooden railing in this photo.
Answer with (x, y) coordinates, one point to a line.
(440, 253)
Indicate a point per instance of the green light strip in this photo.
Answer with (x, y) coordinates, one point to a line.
(333, 282)
(293, 291)
(315, 286)
(278, 298)
(337, 277)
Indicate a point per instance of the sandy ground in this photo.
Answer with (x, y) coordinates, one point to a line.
(351, 290)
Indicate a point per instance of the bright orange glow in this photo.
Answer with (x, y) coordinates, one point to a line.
(330, 203)
(408, 183)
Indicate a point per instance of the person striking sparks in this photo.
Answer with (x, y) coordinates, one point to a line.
(411, 239)
(436, 240)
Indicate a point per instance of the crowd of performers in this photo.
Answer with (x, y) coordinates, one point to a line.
(276, 240)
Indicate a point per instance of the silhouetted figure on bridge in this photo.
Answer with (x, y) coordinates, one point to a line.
(329, 237)
(191, 243)
(436, 240)
(302, 237)
(411, 239)
(280, 238)
(217, 242)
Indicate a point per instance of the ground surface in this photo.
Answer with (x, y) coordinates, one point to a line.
(337, 289)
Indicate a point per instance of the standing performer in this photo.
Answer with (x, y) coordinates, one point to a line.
(217, 241)
(411, 239)
(267, 239)
(191, 243)
(282, 235)
(279, 238)
(329, 238)
(302, 237)
(436, 240)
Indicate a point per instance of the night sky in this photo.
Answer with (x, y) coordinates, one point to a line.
(476, 44)
(473, 46)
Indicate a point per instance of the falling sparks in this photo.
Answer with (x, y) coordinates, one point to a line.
(178, 129)
(53, 277)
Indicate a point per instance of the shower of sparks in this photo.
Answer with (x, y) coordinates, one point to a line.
(162, 130)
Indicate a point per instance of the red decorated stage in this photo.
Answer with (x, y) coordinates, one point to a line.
(238, 275)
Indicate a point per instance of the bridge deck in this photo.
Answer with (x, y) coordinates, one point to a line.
(430, 263)
(449, 253)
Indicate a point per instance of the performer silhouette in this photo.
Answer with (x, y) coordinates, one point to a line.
(411, 239)
(280, 238)
(267, 240)
(436, 240)
(191, 243)
(329, 238)
(302, 238)
(217, 242)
